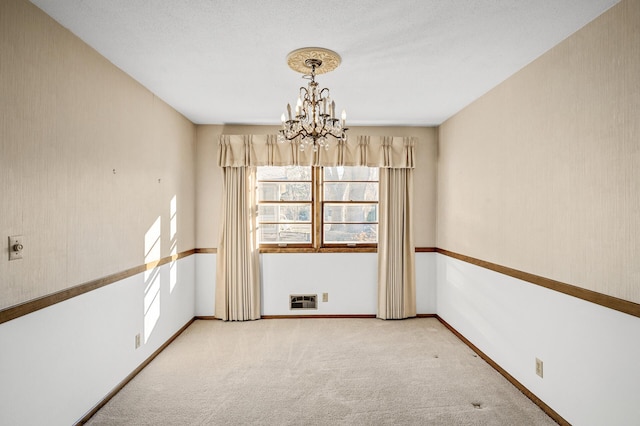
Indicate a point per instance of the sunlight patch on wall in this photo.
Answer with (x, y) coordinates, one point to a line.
(152, 251)
(173, 242)
(152, 278)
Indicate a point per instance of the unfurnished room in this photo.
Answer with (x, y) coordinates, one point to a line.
(411, 212)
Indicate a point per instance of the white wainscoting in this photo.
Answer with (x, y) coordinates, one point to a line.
(426, 284)
(350, 279)
(590, 353)
(58, 362)
(205, 294)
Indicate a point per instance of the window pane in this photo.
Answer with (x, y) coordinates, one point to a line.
(290, 233)
(268, 213)
(267, 233)
(284, 213)
(351, 191)
(284, 173)
(346, 213)
(351, 173)
(284, 205)
(355, 233)
(281, 191)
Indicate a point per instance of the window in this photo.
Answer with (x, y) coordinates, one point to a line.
(285, 208)
(350, 205)
(319, 207)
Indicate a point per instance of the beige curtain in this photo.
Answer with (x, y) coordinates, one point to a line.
(396, 258)
(238, 281)
(238, 268)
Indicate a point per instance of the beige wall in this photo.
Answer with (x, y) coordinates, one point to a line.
(542, 174)
(209, 177)
(68, 119)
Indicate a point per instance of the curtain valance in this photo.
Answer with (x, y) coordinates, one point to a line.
(265, 150)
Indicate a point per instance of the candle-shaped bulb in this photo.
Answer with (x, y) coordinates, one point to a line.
(333, 109)
(289, 111)
(282, 118)
(299, 107)
(344, 117)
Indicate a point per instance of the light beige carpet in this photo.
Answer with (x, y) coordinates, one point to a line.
(319, 372)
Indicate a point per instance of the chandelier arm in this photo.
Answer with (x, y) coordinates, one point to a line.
(292, 137)
(336, 136)
(324, 130)
(325, 89)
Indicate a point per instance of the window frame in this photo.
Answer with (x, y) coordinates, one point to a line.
(311, 202)
(317, 244)
(323, 202)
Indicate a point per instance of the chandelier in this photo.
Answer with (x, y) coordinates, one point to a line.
(314, 120)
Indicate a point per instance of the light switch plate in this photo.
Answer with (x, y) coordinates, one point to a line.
(15, 254)
(539, 367)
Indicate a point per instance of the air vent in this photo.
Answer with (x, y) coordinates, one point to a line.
(303, 301)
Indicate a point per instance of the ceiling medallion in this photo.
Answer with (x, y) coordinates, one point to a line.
(329, 60)
(314, 122)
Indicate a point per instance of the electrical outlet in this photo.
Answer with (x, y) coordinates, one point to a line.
(539, 370)
(325, 297)
(137, 340)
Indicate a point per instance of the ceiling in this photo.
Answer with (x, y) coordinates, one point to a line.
(404, 62)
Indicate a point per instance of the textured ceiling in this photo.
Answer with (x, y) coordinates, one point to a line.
(404, 62)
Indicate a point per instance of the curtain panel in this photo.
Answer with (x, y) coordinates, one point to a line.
(265, 150)
(396, 251)
(238, 267)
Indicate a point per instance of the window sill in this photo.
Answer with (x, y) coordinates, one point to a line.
(337, 249)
